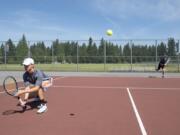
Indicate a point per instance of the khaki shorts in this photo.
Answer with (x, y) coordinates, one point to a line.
(31, 95)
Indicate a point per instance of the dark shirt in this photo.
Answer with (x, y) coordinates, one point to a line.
(35, 79)
(163, 60)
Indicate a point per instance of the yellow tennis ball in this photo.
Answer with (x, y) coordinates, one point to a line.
(109, 32)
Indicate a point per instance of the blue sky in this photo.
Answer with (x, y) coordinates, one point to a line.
(81, 19)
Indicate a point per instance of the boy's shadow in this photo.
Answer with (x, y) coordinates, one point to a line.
(29, 106)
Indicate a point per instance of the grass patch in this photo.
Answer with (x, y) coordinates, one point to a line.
(91, 67)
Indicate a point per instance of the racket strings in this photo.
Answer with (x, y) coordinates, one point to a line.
(10, 86)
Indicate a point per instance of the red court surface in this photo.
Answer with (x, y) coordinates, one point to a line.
(99, 106)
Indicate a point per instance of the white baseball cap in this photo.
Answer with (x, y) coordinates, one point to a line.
(28, 61)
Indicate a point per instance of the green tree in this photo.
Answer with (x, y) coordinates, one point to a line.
(112, 53)
(171, 47)
(177, 47)
(162, 50)
(136, 52)
(82, 53)
(59, 50)
(95, 52)
(144, 52)
(0, 52)
(152, 53)
(70, 50)
(91, 51)
(39, 52)
(22, 49)
(11, 53)
(139, 53)
(127, 52)
(74, 52)
(48, 57)
(120, 59)
(101, 51)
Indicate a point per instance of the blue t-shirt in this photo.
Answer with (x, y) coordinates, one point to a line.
(35, 78)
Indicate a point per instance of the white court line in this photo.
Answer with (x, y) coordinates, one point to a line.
(59, 78)
(143, 130)
(86, 87)
(158, 88)
(107, 87)
(110, 87)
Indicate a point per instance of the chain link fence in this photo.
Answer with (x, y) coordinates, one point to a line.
(91, 55)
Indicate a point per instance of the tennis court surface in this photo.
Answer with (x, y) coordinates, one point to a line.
(99, 106)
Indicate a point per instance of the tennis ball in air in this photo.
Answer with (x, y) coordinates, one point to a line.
(109, 32)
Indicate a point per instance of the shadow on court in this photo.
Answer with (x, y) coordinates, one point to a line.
(29, 106)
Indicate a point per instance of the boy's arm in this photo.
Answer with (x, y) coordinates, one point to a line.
(33, 89)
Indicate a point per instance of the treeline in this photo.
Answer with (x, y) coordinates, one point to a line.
(89, 52)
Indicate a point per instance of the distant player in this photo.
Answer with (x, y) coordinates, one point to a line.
(36, 82)
(162, 63)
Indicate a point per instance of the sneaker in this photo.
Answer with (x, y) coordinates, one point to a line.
(42, 109)
(39, 106)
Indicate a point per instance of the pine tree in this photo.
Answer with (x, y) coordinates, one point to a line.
(90, 50)
(171, 47)
(22, 49)
(127, 52)
(83, 53)
(101, 50)
(38, 52)
(11, 53)
(162, 50)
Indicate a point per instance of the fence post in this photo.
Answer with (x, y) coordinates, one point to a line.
(178, 62)
(156, 53)
(6, 49)
(178, 56)
(131, 54)
(105, 56)
(5, 55)
(29, 51)
(52, 53)
(77, 68)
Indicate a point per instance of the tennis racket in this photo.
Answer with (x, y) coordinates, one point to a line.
(167, 61)
(10, 85)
